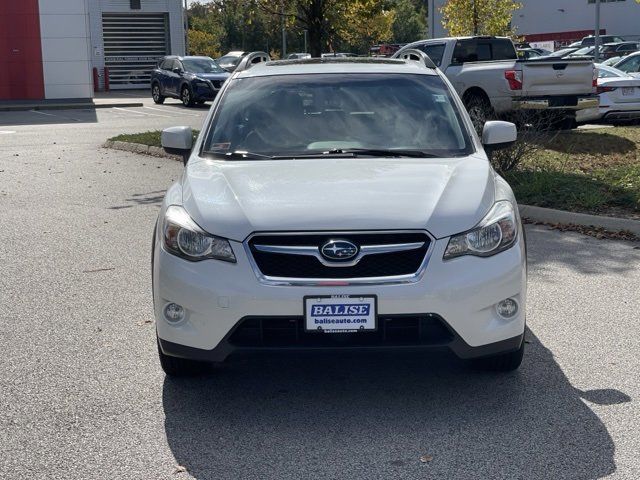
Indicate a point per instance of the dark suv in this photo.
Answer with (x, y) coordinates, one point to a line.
(194, 80)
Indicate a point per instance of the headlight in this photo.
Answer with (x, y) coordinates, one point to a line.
(496, 232)
(184, 238)
(202, 84)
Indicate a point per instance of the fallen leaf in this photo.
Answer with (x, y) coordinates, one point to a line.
(426, 458)
(144, 322)
(179, 469)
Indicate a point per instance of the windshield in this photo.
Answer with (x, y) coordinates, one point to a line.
(293, 115)
(229, 60)
(201, 65)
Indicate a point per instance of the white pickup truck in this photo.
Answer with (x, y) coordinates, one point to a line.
(491, 80)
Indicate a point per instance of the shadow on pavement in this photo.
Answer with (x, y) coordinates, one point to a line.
(48, 117)
(349, 416)
(581, 253)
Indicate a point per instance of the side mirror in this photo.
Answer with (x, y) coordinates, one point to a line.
(177, 141)
(497, 135)
(177, 70)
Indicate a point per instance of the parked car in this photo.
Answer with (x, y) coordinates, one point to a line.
(562, 53)
(630, 64)
(619, 95)
(231, 60)
(491, 81)
(590, 40)
(194, 80)
(610, 62)
(583, 52)
(298, 56)
(618, 49)
(527, 53)
(351, 211)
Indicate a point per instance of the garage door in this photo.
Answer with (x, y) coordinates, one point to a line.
(132, 45)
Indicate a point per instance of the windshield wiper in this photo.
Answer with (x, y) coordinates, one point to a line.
(381, 152)
(241, 155)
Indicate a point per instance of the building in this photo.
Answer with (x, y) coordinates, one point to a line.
(50, 48)
(564, 21)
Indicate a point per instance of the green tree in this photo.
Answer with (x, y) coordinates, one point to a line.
(479, 17)
(363, 23)
(409, 23)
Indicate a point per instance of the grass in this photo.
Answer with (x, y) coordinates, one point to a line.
(145, 138)
(590, 171)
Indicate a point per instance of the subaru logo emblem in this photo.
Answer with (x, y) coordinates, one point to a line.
(338, 250)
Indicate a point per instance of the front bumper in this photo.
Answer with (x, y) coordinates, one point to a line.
(568, 102)
(462, 292)
(205, 92)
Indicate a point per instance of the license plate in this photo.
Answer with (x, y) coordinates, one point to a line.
(627, 90)
(340, 313)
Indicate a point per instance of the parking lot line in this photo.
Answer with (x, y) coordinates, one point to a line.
(54, 115)
(176, 112)
(136, 112)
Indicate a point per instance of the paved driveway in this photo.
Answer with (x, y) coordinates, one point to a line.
(82, 395)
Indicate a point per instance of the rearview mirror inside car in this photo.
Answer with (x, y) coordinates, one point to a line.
(497, 135)
(177, 141)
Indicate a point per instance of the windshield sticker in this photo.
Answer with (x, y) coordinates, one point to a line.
(440, 98)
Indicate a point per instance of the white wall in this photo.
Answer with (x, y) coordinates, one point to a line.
(64, 33)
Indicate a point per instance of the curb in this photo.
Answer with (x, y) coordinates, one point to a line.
(140, 148)
(537, 214)
(67, 106)
(550, 215)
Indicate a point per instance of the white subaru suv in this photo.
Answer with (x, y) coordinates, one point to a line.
(339, 203)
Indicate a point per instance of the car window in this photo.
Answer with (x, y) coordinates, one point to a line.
(310, 114)
(478, 50)
(229, 60)
(201, 65)
(630, 64)
(435, 52)
(166, 64)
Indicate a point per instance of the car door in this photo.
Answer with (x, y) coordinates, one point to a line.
(162, 75)
(173, 83)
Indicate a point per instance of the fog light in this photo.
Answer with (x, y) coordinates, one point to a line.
(507, 308)
(173, 312)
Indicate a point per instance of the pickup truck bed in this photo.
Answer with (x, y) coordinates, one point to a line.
(491, 80)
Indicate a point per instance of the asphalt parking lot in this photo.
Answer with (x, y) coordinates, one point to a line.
(82, 394)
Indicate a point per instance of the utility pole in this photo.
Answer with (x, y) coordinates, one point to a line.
(306, 34)
(185, 16)
(284, 35)
(596, 52)
(431, 13)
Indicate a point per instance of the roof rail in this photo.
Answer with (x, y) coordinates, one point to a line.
(252, 59)
(415, 55)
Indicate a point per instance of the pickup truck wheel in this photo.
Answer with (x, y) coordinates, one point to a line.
(181, 367)
(479, 110)
(156, 95)
(186, 97)
(505, 362)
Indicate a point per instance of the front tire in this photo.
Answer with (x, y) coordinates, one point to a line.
(504, 362)
(479, 109)
(180, 367)
(156, 94)
(186, 96)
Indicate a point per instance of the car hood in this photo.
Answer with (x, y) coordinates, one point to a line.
(213, 76)
(236, 198)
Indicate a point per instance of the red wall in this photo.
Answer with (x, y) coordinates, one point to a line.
(21, 74)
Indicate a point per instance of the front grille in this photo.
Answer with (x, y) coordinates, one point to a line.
(393, 330)
(306, 266)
